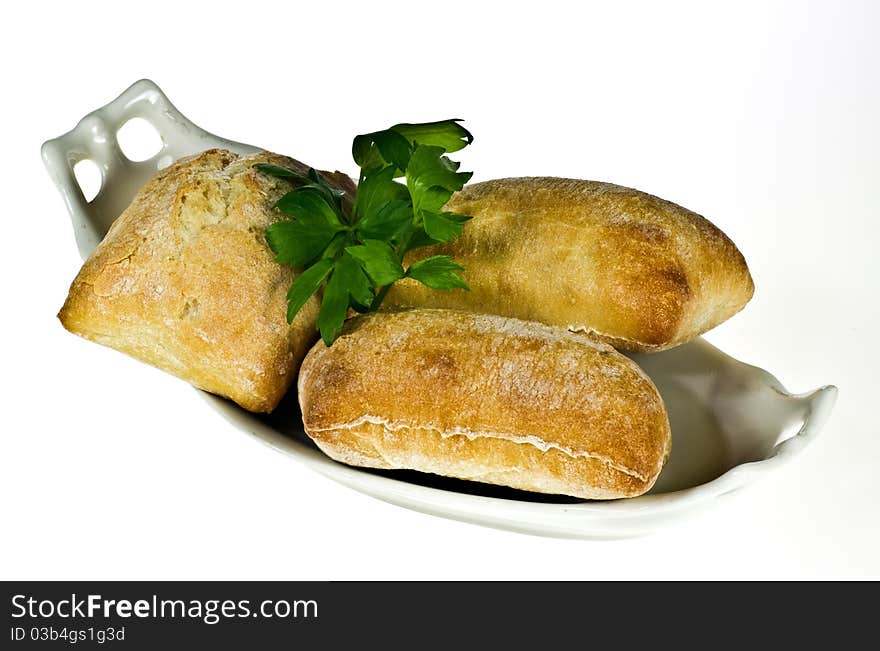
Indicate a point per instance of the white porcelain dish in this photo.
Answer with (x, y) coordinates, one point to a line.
(731, 422)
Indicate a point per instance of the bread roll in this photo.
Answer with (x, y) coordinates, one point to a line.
(185, 281)
(485, 398)
(641, 273)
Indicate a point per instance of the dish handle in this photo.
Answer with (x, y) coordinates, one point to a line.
(817, 410)
(94, 138)
(817, 407)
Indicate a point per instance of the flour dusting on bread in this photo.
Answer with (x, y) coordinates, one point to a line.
(477, 396)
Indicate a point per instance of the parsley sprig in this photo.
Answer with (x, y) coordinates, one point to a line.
(356, 256)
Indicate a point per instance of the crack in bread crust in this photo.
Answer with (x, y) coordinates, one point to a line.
(524, 439)
(474, 395)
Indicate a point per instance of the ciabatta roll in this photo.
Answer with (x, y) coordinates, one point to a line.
(639, 272)
(185, 281)
(485, 398)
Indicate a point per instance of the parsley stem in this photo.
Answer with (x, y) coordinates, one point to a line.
(379, 298)
(355, 254)
(402, 248)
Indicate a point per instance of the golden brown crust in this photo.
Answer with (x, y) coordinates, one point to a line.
(184, 281)
(640, 272)
(486, 398)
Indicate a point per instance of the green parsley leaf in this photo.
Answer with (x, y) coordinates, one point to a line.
(313, 178)
(297, 243)
(347, 284)
(376, 189)
(382, 148)
(434, 198)
(357, 256)
(334, 307)
(306, 284)
(309, 202)
(443, 226)
(394, 146)
(279, 172)
(387, 222)
(438, 272)
(338, 244)
(333, 196)
(432, 178)
(448, 134)
(359, 288)
(302, 240)
(379, 260)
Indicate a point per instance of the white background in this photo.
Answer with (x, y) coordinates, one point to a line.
(763, 117)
